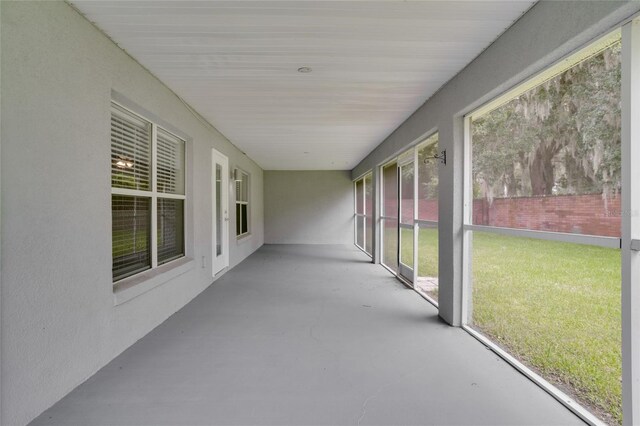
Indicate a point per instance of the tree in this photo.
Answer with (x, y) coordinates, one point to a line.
(561, 137)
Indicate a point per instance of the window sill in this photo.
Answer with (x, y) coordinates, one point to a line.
(243, 239)
(132, 287)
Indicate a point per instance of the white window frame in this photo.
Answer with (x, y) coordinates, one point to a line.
(244, 175)
(384, 218)
(362, 215)
(153, 194)
(468, 226)
(409, 155)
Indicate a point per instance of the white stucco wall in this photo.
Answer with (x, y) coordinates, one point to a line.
(308, 207)
(59, 323)
(544, 35)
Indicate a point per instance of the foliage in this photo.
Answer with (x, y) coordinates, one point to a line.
(428, 169)
(561, 137)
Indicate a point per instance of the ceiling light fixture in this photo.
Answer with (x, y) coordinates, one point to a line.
(124, 163)
(305, 70)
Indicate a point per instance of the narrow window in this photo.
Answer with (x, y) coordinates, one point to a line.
(242, 204)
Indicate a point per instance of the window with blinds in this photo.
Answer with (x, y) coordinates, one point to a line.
(131, 226)
(170, 171)
(242, 204)
(147, 194)
(130, 151)
(170, 229)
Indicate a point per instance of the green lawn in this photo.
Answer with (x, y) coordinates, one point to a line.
(428, 250)
(124, 242)
(555, 306)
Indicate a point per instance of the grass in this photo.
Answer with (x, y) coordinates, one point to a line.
(126, 242)
(554, 306)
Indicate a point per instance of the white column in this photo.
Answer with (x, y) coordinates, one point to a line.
(376, 203)
(450, 205)
(631, 223)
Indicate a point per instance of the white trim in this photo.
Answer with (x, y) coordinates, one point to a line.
(362, 179)
(154, 198)
(591, 240)
(389, 269)
(379, 235)
(219, 263)
(630, 223)
(131, 192)
(427, 223)
(466, 300)
(364, 209)
(416, 227)
(413, 144)
(355, 209)
(133, 286)
(370, 176)
(562, 397)
(147, 194)
(427, 298)
(170, 196)
(132, 107)
(404, 281)
(249, 180)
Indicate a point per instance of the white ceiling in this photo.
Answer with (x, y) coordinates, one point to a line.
(235, 62)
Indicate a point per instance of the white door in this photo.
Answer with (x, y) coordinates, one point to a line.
(220, 225)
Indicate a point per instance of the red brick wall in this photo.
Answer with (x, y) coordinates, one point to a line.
(427, 210)
(585, 214)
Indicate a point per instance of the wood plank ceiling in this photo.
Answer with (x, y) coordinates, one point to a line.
(236, 62)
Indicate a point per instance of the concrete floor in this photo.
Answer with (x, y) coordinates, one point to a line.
(302, 335)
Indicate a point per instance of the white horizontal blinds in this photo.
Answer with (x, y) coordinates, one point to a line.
(242, 188)
(170, 163)
(131, 226)
(245, 187)
(147, 218)
(170, 225)
(130, 150)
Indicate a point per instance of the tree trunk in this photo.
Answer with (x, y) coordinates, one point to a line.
(541, 170)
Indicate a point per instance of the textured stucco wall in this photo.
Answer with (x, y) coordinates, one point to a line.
(308, 207)
(546, 33)
(59, 322)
